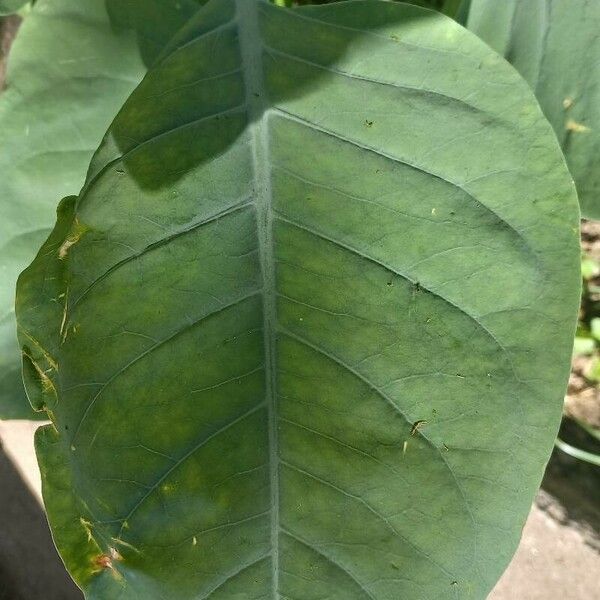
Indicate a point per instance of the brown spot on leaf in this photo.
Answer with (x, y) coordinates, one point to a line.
(103, 561)
(106, 561)
(74, 236)
(64, 249)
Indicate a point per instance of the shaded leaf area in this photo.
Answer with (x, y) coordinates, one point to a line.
(556, 47)
(284, 332)
(449, 7)
(155, 21)
(70, 70)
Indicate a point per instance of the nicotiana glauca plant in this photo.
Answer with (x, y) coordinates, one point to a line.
(284, 331)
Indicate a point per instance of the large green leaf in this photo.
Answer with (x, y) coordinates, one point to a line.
(555, 45)
(69, 72)
(306, 331)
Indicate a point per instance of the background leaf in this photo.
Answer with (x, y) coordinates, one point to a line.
(309, 323)
(556, 47)
(70, 70)
(8, 7)
(448, 7)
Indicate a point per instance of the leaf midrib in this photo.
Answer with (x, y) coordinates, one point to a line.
(251, 51)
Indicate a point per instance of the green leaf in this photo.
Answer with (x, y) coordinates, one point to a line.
(448, 7)
(555, 46)
(593, 371)
(8, 7)
(590, 268)
(155, 21)
(287, 331)
(462, 14)
(595, 328)
(69, 72)
(584, 346)
(451, 7)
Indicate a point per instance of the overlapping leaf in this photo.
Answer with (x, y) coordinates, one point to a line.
(305, 333)
(556, 47)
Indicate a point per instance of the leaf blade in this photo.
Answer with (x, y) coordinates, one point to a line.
(404, 279)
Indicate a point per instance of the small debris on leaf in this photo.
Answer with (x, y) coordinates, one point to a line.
(417, 426)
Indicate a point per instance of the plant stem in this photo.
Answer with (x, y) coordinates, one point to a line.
(593, 459)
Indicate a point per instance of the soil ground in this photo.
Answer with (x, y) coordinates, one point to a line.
(553, 562)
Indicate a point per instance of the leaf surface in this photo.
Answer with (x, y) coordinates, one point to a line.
(70, 70)
(313, 334)
(8, 7)
(154, 21)
(556, 47)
